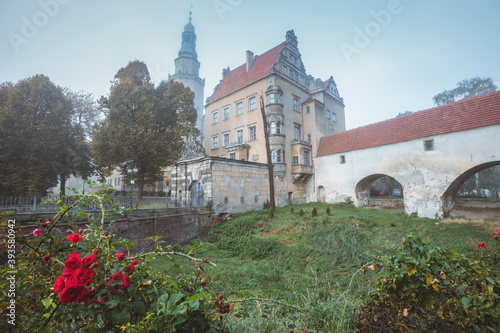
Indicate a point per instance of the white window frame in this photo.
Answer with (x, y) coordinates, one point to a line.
(239, 135)
(239, 108)
(215, 117)
(252, 133)
(215, 141)
(296, 104)
(225, 142)
(225, 113)
(252, 103)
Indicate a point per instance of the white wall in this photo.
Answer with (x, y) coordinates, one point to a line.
(424, 175)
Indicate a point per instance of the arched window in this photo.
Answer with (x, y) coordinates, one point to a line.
(273, 156)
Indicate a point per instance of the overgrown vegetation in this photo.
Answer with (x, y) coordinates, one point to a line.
(296, 272)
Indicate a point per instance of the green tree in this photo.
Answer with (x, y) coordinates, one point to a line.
(465, 89)
(40, 143)
(143, 123)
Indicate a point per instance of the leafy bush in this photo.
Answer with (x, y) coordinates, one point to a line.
(301, 213)
(87, 280)
(266, 205)
(328, 211)
(425, 288)
(314, 212)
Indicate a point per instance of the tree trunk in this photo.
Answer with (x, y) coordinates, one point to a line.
(268, 153)
(140, 188)
(62, 179)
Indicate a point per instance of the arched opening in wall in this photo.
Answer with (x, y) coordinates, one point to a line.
(320, 194)
(475, 193)
(380, 190)
(197, 194)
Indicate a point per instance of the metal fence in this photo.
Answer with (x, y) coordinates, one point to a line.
(26, 204)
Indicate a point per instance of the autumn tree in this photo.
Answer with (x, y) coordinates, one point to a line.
(143, 123)
(40, 143)
(465, 89)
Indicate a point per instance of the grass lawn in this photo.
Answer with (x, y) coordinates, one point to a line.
(293, 273)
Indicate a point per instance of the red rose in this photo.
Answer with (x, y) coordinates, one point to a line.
(96, 265)
(100, 301)
(136, 261)
(67, 273)
(73, 261)
(114, 278)
(120, 256)
(495, 237)
(71, 294)
(96, 251)
(82, 276)
(75, 238)
(59, 284)
(125, 282)
(130, 268)
(481, 244)
(87, 261)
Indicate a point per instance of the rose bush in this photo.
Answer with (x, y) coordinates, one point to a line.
(87, 281)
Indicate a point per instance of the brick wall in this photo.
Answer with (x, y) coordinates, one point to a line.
(174, 229)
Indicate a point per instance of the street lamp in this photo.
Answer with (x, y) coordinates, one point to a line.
(131, 169)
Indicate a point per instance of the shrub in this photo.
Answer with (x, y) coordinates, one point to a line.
(87, 280)
(301, 213)
(426, 288)
(292, 210)
(314, 212)
(266, 205)
(328, 211)
(161, 193)
(348, 201)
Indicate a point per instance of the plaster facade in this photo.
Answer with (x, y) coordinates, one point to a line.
(299, 109)
(429, 178)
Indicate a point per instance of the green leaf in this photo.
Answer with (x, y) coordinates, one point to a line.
(466, 302)
(47, 301)
(122, 316)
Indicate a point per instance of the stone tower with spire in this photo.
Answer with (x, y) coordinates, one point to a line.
(187, 70)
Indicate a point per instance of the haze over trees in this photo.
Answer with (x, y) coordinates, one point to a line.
(465, 89)
(43, 137)
(143, 124)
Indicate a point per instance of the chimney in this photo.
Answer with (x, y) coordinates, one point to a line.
(249, 59)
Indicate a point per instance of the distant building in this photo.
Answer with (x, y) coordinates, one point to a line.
(299, 111)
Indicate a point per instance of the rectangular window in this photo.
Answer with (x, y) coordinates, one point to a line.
(306, 157)
(226, 113)
(239, 108)
(295, 105)
(215, 117)
(327, 114)
(252, 133)
(308, 109)
(232, 156)
(239, 136)
(295, 160)
(342, 159)
(215, 142)
(225, 139)
(251, 104)
(429, 145)
(309, 139)
(297, 132)
(334, 117)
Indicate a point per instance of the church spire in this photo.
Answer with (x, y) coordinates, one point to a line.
(188, 46)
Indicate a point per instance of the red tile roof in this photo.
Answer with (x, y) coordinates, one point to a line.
(239, 77)
(466, 114)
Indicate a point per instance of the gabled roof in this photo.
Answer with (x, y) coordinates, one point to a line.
(466, 114)
(239, 77)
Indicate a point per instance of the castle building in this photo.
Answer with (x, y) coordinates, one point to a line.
(299, 110)
(187, 70)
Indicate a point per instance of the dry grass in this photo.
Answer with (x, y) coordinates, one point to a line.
(487, 224)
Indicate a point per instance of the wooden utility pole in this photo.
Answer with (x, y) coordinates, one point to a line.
(268, 152)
